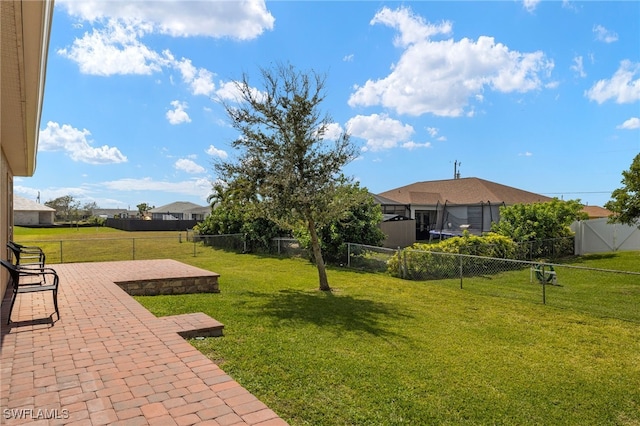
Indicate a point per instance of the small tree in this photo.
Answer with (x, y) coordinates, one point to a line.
(286, 162)
(66, 207)
(359, 223)
(143, 209)
(625, 201)
(89, 207)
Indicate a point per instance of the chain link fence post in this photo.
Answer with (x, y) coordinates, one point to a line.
(544, 286)
(461, 272)
(403, 267)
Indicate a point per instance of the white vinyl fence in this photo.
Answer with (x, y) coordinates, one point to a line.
(598, 236)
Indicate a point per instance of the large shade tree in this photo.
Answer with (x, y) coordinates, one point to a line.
(66, 207)
(625, 201)
(286, 158)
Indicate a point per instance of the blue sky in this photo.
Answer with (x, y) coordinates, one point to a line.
(543, 96)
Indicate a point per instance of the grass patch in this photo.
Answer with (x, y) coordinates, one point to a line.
(380, 350)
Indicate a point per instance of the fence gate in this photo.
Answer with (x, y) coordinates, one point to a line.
(598, 236)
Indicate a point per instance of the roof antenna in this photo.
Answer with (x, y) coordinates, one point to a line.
(456, 170)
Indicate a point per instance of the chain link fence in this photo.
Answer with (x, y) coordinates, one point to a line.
(112, 249)
(603, 292)
(369, 258)
(289, 247)
(232, 242)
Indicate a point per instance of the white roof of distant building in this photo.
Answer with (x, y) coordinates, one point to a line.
(22, 204)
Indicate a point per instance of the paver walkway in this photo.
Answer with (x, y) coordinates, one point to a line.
(108, 360)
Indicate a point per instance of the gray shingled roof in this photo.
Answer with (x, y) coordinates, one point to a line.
(461, 191)
(177, 207)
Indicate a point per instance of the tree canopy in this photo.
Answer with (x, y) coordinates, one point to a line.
(231, 213)
(287, 159)
(625, 201)
(358, 223)
(66, 207)
(538, 221)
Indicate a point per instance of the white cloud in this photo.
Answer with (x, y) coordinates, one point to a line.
(578, 66)
(621, 87)
(411, 145)
(242, 20)
(50, 193)
(178, 115)
(604, 35)
(115, 46)
(198, 187)
(530, 5)
(525, 154)
(114, 49)
(333, 131)
(630, 124)
(229, 91)
(215, 152)
(441, 77)
(348, 58)
(433, 132)
(200, 80)
(76, 144)
(413, 29)
(380, 131)
(189, 166)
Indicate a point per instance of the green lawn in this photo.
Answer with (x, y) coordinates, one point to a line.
(380, 350)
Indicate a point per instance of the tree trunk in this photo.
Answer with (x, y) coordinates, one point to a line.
(317, 255)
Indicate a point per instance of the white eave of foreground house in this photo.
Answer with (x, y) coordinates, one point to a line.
(25, 31)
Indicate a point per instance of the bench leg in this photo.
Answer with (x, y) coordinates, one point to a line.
(55, 302)
(13, 300)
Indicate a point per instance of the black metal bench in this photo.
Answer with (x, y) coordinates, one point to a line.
(31, 256)
(39, 283)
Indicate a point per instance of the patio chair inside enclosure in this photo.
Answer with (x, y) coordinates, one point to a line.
(45, 279)
(30, 256)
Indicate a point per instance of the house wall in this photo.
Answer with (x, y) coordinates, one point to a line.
(6, 214)
(23, 218)
(46, 218)
(450, 217)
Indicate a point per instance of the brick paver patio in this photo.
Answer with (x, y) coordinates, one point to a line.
(108, 360)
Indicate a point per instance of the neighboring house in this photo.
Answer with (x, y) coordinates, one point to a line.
(29, 213)
(596, 212)
(24, 43)
(447, 207)
(180, 210)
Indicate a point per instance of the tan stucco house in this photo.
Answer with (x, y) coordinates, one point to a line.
(452, 205)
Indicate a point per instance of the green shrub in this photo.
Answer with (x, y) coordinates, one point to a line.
(419, 262)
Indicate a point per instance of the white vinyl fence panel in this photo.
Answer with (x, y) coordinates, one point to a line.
(598, 236)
